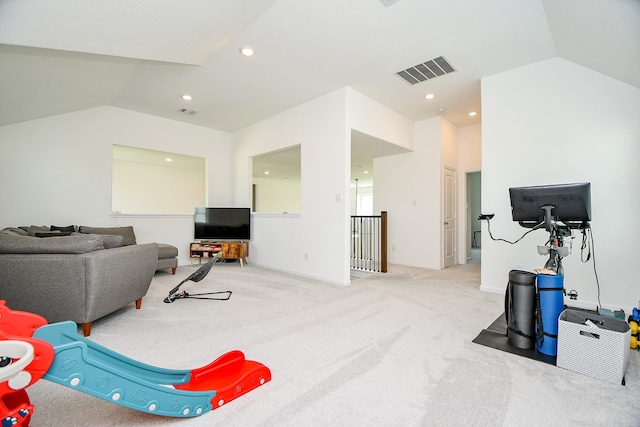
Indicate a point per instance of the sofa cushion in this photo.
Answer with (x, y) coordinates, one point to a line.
(167, 251)
(126, 232)
(33, 229)
(74, 244)
(15, 231)
(111, 241)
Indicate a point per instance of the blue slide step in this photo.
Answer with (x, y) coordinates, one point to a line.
(83, 365)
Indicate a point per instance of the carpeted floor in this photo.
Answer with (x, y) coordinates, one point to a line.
(392, 349)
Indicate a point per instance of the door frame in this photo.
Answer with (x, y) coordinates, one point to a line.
(465, 230)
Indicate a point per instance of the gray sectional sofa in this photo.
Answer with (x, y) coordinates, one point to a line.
(167, 254)
(77, 276)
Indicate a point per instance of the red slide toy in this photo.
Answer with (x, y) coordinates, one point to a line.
(230, 376)
(23, 361)
(31, 349)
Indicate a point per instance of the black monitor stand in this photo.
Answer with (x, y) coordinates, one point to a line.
(556, 248)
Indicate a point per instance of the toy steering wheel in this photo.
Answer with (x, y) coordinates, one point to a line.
(14, 372)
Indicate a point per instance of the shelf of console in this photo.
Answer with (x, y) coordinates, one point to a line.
(230, 250)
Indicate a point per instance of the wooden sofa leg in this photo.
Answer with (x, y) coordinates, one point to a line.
(86, 329)
(173, 271)
(138, 303)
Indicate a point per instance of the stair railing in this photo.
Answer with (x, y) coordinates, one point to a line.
(369, 242)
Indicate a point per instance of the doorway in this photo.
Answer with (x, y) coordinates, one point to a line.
(474, 198)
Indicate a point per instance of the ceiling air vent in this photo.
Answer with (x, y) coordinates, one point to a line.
(427, 70)
(187, 111)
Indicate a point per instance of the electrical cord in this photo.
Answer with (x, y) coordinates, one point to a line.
(504, 240)
(583, 246)
(588, 243)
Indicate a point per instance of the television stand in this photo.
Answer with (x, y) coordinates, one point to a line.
(230, 250)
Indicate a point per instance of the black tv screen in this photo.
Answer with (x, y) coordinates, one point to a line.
(571, 204)
(222, 223)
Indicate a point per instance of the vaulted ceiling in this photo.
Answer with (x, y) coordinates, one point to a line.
(67, 55)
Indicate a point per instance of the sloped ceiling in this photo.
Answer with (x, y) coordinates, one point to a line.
(188, 31)
(68, 55)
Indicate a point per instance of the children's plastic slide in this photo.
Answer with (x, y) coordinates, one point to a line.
(31, 349)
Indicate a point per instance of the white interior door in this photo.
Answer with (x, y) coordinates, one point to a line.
(449, 217)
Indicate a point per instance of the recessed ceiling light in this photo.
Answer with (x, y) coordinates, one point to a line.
(440, 110)
(472, 113)
(169, 159)
(186, 97)
(247, 51)
(266, 172)
(365, 172)
(429, 96)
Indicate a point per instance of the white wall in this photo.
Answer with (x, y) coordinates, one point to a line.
(374, 119)
(134, 184)
(314, 243)
(57, 170)
(448, 144)
(277, 196)
(408, 187)
(556, 122)
(361, 191)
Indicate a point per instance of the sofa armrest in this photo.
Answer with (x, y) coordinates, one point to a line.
(117, 277)
(80, 288)
(51, 285)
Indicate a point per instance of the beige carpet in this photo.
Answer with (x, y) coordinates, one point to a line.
(392, 349)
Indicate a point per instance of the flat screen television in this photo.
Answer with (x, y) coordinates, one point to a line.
(222, 223)
(567, 203)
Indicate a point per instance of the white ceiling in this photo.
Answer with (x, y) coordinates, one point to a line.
(68, 55)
